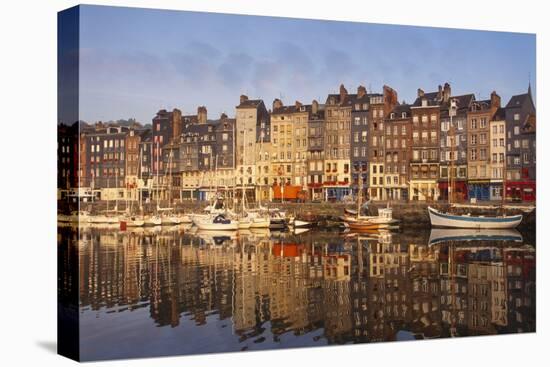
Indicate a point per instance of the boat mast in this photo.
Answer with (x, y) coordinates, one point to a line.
(139, 179)
(242, 176)
(359, 195)
(261, 156)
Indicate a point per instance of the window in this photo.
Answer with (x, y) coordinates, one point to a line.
(483, 138)
(516, 130)
(483, 154)
(516, 117)
(473, 124)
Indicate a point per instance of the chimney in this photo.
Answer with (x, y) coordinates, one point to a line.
(243, 98)
(277, 103)
(201, 115)
(223, 116)
(446, 92)
(314, 107)
(439, 92)
(343, 93)
(420, 93)
(176, 123)
(495, 100)
(298, 104)
(390, 98)
(361, 91)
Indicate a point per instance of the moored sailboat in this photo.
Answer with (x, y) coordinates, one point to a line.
(440, 219)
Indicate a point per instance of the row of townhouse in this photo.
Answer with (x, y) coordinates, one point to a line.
(439, 147)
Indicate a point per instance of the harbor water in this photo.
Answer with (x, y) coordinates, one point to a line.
(174, 290)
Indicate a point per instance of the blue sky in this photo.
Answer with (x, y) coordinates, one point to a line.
(134, 62)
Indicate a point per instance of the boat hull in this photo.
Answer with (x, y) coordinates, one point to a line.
(366, 226)
(439, 219)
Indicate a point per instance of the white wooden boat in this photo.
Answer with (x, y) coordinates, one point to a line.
(439, 219)
(216, 223)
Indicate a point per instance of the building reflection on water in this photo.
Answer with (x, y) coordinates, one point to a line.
(317, 285)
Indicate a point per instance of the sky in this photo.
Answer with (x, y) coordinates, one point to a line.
(134, 62)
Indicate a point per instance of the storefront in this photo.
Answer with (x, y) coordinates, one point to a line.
(424, 190)
(315, 191)
(496, 190)
(460, 191)
(334, 194)
(479, 190)
(521, 191)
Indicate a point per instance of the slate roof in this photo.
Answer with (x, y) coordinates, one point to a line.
(399, 109)
(432, 98)
(518, 100)
(254, 103)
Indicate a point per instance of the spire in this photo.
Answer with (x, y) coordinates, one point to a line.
(529, 88)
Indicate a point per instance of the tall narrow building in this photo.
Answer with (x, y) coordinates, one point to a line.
(521, 148)
(252, 118)
(479, 176)
(425, 113)
(454, 145)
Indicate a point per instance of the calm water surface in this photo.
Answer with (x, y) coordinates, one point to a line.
(177, 291)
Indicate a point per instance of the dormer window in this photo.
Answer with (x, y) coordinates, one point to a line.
(403, 115)
(392, 115)
(424, 102)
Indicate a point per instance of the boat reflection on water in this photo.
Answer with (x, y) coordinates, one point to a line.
(177, 291)
(441, 235)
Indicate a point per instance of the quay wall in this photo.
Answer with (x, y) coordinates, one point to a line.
(411, 214)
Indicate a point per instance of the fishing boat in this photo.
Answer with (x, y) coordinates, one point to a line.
(438, 235)
(383, 220)
(216, 223)
(439, 219)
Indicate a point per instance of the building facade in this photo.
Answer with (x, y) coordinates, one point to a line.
(360, 142)
(497, 152)
(479, 175)
(425, 145)
(521, 148)
(454, 147)
(316, 151)
(337, 145)
(397, 152)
